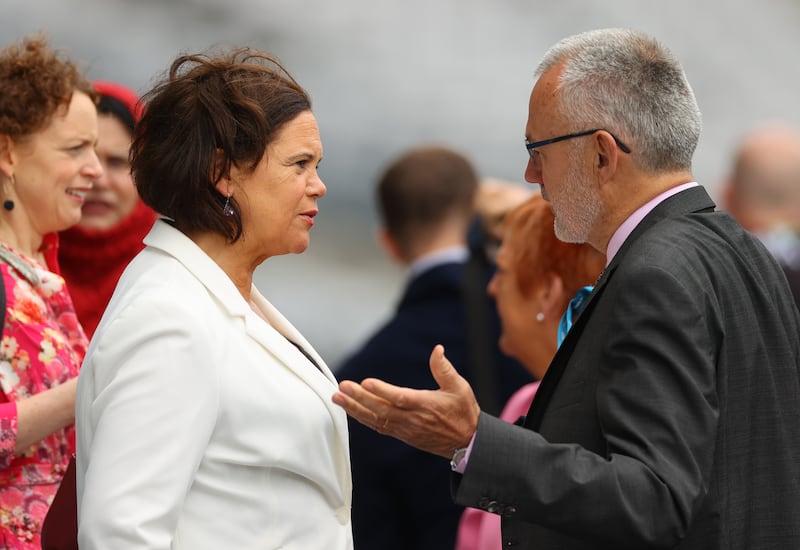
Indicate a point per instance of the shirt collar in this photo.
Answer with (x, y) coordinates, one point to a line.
(627, 227)
(453, 254)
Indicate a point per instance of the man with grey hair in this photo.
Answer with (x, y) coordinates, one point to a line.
(670, 416)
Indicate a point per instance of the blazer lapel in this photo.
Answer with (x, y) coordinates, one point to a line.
(695, 199)
(285, 338)
(277, 337)
(274, 335)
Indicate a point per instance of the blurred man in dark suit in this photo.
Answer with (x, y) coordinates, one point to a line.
(401, 499)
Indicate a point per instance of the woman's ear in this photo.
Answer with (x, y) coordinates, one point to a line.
(552, 296)
(6, 155)
(223, 180)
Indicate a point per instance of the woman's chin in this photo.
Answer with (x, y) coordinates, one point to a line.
(299, 247)
(70, 221)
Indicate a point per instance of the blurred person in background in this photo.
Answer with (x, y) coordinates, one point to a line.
(537, 279)
(114, 220)
(48, 132)
(204, 417)
(763, 192)
(426, 200)
(494, 199)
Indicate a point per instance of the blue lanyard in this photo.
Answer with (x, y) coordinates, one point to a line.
(573, 309)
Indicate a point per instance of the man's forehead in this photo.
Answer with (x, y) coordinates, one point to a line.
(541, 109)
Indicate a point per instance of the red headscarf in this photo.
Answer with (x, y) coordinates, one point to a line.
(124, 95)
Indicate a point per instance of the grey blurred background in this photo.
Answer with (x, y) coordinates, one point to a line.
(385, 75)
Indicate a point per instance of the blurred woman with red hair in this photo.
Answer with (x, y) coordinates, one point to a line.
(536, 280)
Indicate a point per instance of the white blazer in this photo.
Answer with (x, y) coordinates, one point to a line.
(200, 426)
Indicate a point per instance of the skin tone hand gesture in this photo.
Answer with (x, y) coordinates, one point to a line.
(436, 421)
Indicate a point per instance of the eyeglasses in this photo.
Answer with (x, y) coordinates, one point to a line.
(532, 146)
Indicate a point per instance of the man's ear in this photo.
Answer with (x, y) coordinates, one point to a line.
(607, 156)
(390, 246)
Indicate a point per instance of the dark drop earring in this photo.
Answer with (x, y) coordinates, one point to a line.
(228, 209)
(8, 204)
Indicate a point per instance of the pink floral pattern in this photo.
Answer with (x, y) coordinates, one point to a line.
(42, 346)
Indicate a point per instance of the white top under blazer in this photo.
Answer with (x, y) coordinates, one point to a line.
(201, 426)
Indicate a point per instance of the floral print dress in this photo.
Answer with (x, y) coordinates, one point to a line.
(42, 346)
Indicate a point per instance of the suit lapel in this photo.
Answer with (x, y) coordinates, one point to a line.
(550, 380)
(695, 199)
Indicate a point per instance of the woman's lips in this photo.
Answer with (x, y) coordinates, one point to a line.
(309, 216)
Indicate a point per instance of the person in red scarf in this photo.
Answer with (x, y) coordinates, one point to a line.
(114, 220)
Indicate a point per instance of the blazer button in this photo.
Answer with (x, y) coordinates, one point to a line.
(343, 515)
(509, 511)
(483, 503)
(493, 507)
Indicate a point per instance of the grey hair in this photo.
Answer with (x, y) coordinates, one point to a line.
(627, 83)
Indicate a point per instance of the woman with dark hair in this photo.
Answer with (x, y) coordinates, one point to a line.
(204, 417)
(114, 220)
(48, 128)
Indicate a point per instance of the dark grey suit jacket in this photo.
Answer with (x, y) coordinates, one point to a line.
(670, 416)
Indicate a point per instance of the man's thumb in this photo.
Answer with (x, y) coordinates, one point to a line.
(442, 369)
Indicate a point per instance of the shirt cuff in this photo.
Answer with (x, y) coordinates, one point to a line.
(462, 465)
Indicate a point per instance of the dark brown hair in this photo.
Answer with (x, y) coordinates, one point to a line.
(211, 112)
(422, 188)
(537, 251)
(35, 81)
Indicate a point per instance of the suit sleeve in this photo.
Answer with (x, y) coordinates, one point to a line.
(152, 411)
(657, 412)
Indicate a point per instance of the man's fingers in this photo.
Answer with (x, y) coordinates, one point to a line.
(434, 421)
(382, 393)
(360, 404)
(371, 401)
